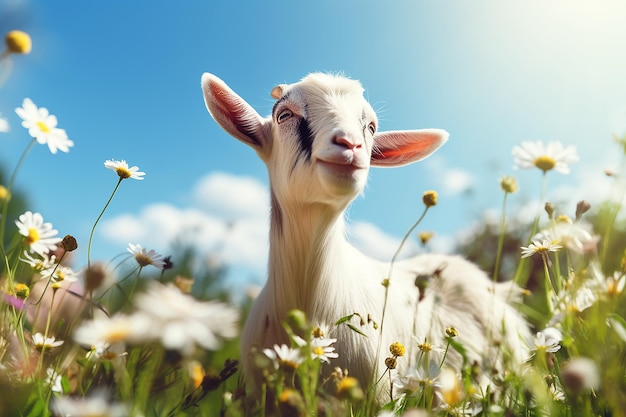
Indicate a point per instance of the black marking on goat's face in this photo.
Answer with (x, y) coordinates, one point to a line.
(305, 139)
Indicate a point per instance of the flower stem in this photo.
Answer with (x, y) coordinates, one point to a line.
(496, 268)
(388, 282)
(93, 229)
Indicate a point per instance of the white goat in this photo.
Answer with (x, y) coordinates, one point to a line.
(318, 145)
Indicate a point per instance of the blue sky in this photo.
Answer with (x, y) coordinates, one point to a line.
(123, 78)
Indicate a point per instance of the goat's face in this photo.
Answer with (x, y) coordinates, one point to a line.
(322, 136)
(320, 139)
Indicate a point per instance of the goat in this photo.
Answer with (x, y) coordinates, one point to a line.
(318, 145)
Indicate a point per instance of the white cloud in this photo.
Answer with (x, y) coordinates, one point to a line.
(231, 196)
(451, 181)
(230, 221)
(375, 243)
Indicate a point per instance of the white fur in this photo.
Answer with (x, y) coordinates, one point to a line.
(311, 265)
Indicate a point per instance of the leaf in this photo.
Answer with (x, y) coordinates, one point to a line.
(353, 328)
(344, 319)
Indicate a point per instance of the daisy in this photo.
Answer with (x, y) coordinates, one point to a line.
(571, 235)
(106, 331)
(145, 258)
(40, 236)
(95, 405)
(540, 246)
(41, 342)
(104, 351)
(54, 380)
(545, 157)
(41, 125)
(547, 340)
(43, 263)
(284, 356)
(183, 322)
(60, 273)
(321, 349)
(415, 380)
(122, 169)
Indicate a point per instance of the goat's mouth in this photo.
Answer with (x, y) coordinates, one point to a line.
(341, 167)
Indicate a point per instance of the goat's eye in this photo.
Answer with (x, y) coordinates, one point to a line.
(284, 115)
(372, 128)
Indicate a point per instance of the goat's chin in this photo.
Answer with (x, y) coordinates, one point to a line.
(340, 179)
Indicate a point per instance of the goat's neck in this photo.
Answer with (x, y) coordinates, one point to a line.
(305, 254)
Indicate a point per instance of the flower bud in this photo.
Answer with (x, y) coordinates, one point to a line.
(18, 42)
(430, 198)
(582, 207)
(508, 184)
(69, 243)
(549, 207)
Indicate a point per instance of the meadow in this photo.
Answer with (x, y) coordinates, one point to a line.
(141, 336)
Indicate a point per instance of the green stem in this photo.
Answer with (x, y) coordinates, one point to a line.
(93, 229)
(388, 282)
(496, 268)
(548, 282)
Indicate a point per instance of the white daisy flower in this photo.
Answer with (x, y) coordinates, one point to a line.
(284, 356)
(96, 405)
(122, 169)
(571, 235)
(545, 157)
(540, 246)
(135, 328)
(321, 349)
(42, 126)
(43, 263)
(104, 351)
(60, 273)
(145, 257)
(54, 380)
(40, 236)
(41, 342)
(183, 322)
(547, 340)
(415, 380)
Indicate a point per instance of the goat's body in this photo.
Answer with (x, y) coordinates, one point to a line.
(457, 294)
(318, 146)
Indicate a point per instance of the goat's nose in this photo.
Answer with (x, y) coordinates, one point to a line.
(347, 141)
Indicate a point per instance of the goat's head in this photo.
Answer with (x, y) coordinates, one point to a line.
(321, 138)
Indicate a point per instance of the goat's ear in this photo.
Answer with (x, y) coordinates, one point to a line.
(401, 147)
(232, 112)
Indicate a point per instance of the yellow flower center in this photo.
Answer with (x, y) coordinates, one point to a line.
(319, 351)
(59, 275)
(397, 349)
(33, 236)
(143, 260)
(43, 127)
(544, 162)
(288, 364)
(20, 291)
(425, 347)
(117, 334)
(123, 172)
